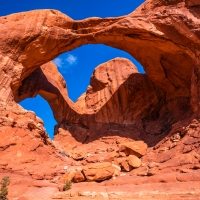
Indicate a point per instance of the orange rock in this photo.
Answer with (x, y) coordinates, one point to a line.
(109, 157)
(103, 157)
(186, 177)
(95, 158)
(141, 171)
(124, 163)
(98, 171)
(134, 161)
(78, 154)
(69, 176)
(78, 177)
(106, 80)
(137, 148)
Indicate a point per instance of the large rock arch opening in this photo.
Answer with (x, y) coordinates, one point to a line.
(43, 81)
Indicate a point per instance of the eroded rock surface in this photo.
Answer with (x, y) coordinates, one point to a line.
(119, 107)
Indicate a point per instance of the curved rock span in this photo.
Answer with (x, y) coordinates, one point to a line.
(120, 106)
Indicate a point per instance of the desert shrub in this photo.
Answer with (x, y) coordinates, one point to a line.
(4, 190)
(67, 186)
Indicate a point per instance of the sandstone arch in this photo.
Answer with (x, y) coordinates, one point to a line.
(170, 58)
(156, 107)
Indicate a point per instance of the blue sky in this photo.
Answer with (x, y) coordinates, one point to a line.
(76, 66)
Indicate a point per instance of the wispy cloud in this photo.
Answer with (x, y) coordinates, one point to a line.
(71, 59)
(58, 62)
(66, 63)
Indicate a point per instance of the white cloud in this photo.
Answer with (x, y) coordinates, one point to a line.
(58, 62)
(66, 63)
(71, 59)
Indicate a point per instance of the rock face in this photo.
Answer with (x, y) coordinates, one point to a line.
(120, 105)
(105, 81)
(192, 3)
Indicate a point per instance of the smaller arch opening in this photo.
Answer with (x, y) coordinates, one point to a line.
(42, 109)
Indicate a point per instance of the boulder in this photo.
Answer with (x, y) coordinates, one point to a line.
(102, 157)
(134, 161)
(78, 154)
(137, 148)
(78, 177)
(124, 164)
(99, 171)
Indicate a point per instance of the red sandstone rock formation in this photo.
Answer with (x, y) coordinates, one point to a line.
(119, 107)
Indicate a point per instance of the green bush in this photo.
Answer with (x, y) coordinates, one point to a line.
(4, 190)
(67, 186)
